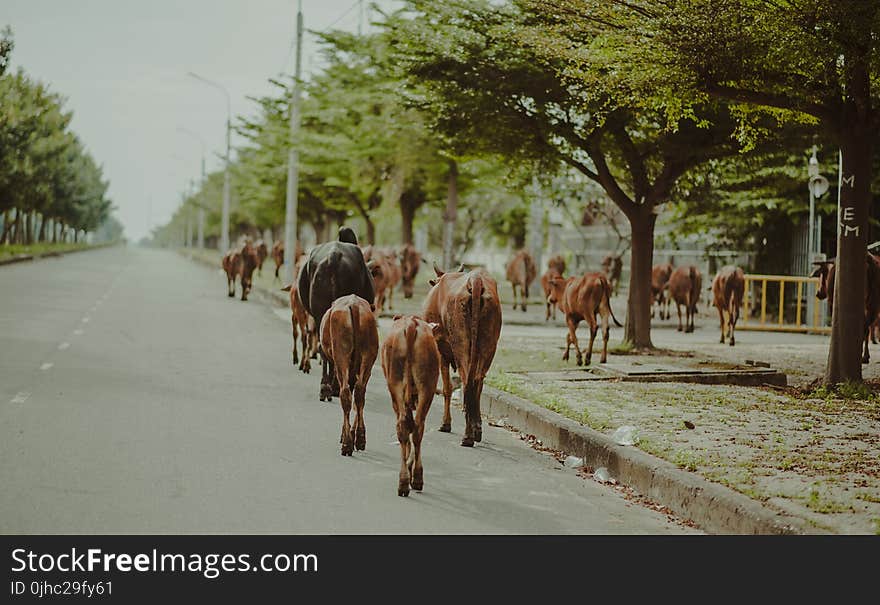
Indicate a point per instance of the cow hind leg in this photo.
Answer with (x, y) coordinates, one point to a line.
(360, 426)
(446, 426)
(513, 287)
(594, 328)
(605, 334)
(295, 336)
(524, 297)
(345, 438)
(721, 319)
(425, 397)
(473, 427)
(678, 308)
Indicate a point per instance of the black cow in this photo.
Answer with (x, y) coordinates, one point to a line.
(333, 269)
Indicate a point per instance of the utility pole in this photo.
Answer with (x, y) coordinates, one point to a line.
(201, 236)
(291, 204)
(450, 216)
(224, 218)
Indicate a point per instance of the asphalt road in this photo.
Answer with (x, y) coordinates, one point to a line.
(135, 397)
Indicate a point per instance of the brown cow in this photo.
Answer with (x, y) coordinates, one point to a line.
(728, 288)
(262, 253)
(303, 326)
(555, 268)
(582, 298)
(393, 273)
(521, 272)
(659, 278)
(825, 272)
(278, 256)
(411, 364)
(613, 267)
(350, 338)
(410, 260)
(231, 264)
(248, 264)
(466, 306)
(684, 287)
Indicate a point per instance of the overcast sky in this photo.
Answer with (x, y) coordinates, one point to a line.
(122, 65)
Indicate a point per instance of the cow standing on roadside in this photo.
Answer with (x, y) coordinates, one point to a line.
(684, 287)
(613, 267)
(467, 308)
(302, 324)
(262, 252)
(410, 261)
(231, 264)
(555, 268)
(521, 272)
(350, 338)
(333, 270)
(582, 298)
(825, 272)
(278, 256)
(659, 278)
(728, 288)
(248, 264)
(411, 364)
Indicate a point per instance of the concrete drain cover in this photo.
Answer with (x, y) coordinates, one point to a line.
(659, 372)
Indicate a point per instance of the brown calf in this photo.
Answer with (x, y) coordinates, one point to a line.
(728, 288)
(278, 256)
(232, 266)
(613, 267)
(659, 278)
(555, 268)
(581, 298)
(248, 255)
(684, 287)
(521, 272)
(262, 252)
(303, 326)
(825, 272)
(350, 338)
(411, 364)
(466, 306)
(410, 260)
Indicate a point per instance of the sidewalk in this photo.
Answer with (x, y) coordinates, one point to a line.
(756, 460)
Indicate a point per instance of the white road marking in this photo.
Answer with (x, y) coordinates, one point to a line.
(79, 332)
(86, 319)
(63, 345)
(20, 397)
(46, 365)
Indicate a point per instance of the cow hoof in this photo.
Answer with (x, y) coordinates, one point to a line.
(445, 428)
(467, 442)
(360, 440)
(731, 342)
(478, 434)
(418, 485)
(580, 361)
(403, 491)
(524, 308)
(347, 449)
(231, 295)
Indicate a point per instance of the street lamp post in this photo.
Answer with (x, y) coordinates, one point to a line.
(224, 217)
(201, 220)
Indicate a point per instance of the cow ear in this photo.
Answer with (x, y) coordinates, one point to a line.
(460, 268)
(372, 307)
(424, 260)
(437, 271)
(432, 282)
(396, 317)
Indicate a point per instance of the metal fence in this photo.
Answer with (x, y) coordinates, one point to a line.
(783, 303)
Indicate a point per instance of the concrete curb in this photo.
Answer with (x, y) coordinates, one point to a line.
(713, 507)
(20, 258)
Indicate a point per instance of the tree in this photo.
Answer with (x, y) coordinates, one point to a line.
(500, 82)
(814, 60)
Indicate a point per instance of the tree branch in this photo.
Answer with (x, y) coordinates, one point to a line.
(770, 99)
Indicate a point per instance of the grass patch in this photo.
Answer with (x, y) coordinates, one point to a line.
(868, 497)
(10, 250)
(817, 503)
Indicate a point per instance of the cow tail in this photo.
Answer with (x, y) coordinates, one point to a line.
(607, 287)
(355, 351)
(410, 333)
(476, 296)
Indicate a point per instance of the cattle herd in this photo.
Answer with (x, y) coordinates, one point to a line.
(340, 288)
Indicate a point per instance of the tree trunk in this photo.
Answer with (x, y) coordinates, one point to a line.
(7, 225)
(18, 230)
(75, 236)
(637, 330)
(407, 216)
(450, 216)
(848, 314)
(42, 234)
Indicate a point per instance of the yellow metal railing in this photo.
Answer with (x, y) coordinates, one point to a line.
(806, 289)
